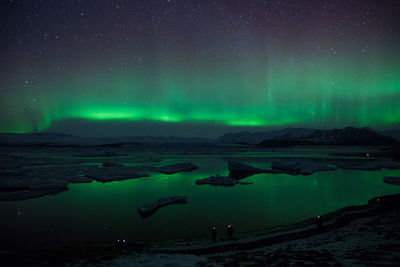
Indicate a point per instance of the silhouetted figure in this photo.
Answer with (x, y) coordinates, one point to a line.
(229, 231)
(214, 234)
(121, 243)
(320, 226)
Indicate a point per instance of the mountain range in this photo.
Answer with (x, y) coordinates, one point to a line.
(348, 136)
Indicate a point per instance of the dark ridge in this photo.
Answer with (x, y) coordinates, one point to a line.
(348, 136)
(52, 134)
(58, 256)
(120, 144)
(341, 218)
(286, 143)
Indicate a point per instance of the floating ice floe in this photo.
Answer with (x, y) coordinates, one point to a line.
(299, 167)
(27, 188)
(369, 165)
(148, 210)
(112, 164)
(391, 180)
(174, 168)
(114, 174)
(218, 180)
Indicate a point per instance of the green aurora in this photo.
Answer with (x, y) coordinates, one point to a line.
(290, 93)
(227, 65)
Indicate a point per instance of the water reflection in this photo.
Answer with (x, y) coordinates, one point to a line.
(102, 213)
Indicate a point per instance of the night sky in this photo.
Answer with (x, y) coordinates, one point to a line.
(197, 68)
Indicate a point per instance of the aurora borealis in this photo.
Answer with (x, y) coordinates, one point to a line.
(319, 64)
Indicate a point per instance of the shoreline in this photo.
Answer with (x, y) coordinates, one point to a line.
(303, 229)
(201, 251)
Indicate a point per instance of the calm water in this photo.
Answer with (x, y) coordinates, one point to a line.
(101, 213)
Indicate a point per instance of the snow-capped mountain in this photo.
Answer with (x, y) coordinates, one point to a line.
(348, 136)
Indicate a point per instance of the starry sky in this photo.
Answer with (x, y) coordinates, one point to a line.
(197, 68)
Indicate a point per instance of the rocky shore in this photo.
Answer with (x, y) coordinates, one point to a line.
(355, 235)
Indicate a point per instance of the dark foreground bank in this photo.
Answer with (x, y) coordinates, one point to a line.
(365, 235)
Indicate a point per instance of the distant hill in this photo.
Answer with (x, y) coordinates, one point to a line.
(63, 139)
(258, 137)
(392, 133)
(279, 138)
(348, 136)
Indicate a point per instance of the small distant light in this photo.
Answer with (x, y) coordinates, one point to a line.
(318, 216)
(118, 240)
(124, 241)
(229, 225)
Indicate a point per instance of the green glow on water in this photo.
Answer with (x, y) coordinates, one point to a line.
(86, 209)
